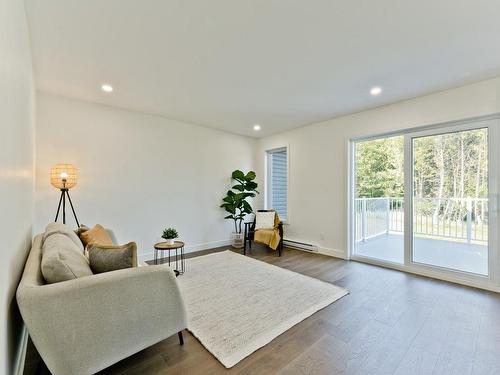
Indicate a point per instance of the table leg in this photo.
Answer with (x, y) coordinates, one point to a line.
(183, 260)
(176, 262)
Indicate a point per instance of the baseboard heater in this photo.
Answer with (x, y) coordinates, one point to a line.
(300, 245)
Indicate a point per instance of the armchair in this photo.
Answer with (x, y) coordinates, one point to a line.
(249, 234)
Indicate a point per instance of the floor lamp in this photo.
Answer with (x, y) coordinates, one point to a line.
(63, 177)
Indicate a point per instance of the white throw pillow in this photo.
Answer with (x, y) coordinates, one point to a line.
(264, 220)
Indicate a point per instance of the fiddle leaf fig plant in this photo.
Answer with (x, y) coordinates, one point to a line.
(235, 202)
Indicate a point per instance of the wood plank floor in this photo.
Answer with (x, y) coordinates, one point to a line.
(390, 323)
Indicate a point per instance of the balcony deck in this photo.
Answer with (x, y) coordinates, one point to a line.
(463, 256)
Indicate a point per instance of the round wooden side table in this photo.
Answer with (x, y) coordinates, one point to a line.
(178, 246)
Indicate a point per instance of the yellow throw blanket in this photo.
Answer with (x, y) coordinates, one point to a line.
(269, 237)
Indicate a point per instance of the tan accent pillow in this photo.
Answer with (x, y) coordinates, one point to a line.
(62, 260)
(96, 235)
(104, 258)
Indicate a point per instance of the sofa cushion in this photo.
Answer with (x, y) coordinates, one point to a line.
(62, 259)
(58, 228)
(96, 235)
(104, 258)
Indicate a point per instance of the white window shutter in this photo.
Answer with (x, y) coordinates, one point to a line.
(278, 182)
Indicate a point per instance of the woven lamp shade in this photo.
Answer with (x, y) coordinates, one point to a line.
(63, 176)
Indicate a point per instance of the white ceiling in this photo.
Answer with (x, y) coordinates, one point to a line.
(229, 64)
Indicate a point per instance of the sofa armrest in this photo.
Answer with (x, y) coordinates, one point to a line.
(86, 324)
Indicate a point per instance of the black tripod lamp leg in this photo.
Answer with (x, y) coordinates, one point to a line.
(72, 209)
(59, 205)
(64, 206)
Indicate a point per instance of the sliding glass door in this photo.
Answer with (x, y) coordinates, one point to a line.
(379, 199)
(450, 200)
(426, 200)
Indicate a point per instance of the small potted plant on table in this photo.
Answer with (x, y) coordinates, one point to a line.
(170, 234)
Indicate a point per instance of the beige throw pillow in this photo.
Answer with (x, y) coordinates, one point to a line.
(96, 235)
(264, 220)
(104, 258)
(62, 259)
(59, 228)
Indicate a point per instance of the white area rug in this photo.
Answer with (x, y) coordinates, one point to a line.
(236, 304)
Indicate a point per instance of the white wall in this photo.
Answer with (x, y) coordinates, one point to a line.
(16, 169)
(138, 173)
(318, 156)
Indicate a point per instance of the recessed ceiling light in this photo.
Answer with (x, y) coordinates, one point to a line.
(256, 127)
(375, 91)
(107, 88)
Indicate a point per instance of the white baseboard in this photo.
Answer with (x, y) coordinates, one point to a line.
(213, 244)
(207, 245)
(21, 352)
(333, 252)
(326, 251)
(188, 249)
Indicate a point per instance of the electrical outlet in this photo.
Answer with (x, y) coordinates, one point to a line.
(322, 236)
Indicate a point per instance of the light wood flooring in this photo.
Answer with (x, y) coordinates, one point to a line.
(390, 323)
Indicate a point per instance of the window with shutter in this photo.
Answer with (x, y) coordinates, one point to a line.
(277, 181)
